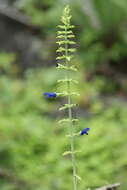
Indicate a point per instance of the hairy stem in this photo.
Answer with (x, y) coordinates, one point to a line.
(71, 123)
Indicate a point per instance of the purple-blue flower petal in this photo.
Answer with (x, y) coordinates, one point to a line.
(50, 94)
(84, 131)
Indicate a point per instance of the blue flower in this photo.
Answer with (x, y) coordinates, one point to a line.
(50, 94)
(84, 131)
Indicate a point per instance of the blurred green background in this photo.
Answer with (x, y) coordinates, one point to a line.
(31, 141)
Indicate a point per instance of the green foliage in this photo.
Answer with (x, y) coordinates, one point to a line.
(6, 60)
(32, 143)
(98, 46)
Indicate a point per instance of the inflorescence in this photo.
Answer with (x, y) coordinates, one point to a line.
(64, 61)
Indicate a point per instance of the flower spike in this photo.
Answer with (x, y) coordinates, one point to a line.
(65, 52)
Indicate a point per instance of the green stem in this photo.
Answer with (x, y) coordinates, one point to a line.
(71, 123)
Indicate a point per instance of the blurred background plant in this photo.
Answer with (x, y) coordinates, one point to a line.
(30, 155)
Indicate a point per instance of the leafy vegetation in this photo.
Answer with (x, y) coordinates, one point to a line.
(32, 142)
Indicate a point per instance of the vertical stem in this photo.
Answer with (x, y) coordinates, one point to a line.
(71, 123)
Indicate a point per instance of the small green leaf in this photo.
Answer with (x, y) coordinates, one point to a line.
(60, 66)
(68, 80)
(61, 42)
(78, 177)
(70, 26)
(65, 32)
(66, 106)
(61, 49)
(61, 57)
(65, 42)
(60, 36)
(62, 26)
(67, 120)
(70, 42)
(72, 50)
(70, 152)
(68, 58)
(66, 153)
(71, 36)
(67, 94)
(72, 68)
